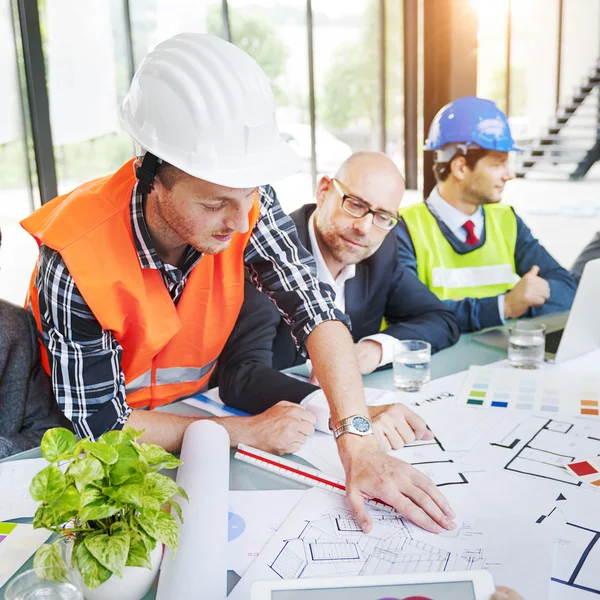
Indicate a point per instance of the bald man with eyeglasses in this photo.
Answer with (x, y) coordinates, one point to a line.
(348, 233)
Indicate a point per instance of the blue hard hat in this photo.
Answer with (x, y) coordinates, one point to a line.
(471, 120)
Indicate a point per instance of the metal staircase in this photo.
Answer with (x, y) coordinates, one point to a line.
(572, 140)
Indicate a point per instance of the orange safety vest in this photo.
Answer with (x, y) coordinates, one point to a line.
(168, 351)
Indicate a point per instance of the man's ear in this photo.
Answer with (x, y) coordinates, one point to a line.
(323, 187)
(459, 167)
(136, 163)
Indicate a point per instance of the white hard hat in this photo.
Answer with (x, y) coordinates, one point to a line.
(206, 107)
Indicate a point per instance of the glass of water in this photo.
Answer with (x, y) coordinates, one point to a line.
(412, 360)
(38, 584)
(526, 344)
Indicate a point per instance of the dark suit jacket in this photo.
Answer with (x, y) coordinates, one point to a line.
(261, 344)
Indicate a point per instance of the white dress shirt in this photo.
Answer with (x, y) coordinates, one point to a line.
(316, 402)
(339, 287)
(455, 220)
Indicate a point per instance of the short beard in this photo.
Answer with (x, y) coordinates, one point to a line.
(212, 251)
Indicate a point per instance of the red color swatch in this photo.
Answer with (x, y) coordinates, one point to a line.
(582, 468)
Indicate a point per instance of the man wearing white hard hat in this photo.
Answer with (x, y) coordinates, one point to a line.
(141, 274)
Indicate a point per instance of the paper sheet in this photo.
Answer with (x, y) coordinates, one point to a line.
(15, 478)
(569, 513)
(320, 538)
(548, 391)
(201, 562)
(537, 446)
(17, 543)
(459, 428)
(253, 519)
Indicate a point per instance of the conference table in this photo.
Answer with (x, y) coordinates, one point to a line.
(244, 476)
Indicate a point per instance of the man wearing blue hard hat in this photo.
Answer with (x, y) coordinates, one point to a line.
(473, 252)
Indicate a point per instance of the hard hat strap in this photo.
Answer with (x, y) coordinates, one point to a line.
(451, 151)
(146, 172)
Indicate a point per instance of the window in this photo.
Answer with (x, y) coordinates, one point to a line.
(275, 35)
(88, 76)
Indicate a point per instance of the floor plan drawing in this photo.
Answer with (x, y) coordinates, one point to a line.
(333, 544)
(577, 547)
(539, 447)
(320, 538)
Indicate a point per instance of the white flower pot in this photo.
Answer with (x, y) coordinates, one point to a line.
(134, 585)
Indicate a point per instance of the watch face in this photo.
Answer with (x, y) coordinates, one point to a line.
(361, 424)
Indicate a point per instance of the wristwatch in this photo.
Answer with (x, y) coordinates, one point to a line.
(356, 424)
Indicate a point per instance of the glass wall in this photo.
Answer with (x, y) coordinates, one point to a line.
(87, 71)
(394, 82)
(276, 36)
(18, 251)
(91, 51)
(346, 67)
(153, 21)
(492, 31)
(533, 71)
(16, 198)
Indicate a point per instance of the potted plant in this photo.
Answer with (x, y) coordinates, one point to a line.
(104, 499)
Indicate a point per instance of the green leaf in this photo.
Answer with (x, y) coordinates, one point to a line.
(98, 510)
(161, 526)
(149, 502)
(85, 470)
(177, 508)
(112, 438)
(137, 477)
(111, 550)
(133, 434)
(160, 487)
(93, 573)
(91, 494)
(67, 505)
(63, 509)
(103, 452)
(49, 556)
(48, 484)
(148, 540)
(43, 518)
(138, 556)
(127, 465)
(125, 494)
(58, 444)
(158, 456)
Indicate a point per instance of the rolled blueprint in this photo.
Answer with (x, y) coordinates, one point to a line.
(199, 569)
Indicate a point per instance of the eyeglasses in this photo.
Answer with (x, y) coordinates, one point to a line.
(358, 208)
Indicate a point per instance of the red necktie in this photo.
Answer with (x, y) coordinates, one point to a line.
(469, 227)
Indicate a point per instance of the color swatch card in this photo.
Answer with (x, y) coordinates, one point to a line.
(542, 391)
(17, 543)
(587, 471)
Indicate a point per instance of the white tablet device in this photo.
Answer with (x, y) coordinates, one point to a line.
(468, 585)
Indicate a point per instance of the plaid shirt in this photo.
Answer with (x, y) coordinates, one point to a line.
(85, 360)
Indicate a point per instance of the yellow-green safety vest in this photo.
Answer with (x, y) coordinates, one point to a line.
(487, 271)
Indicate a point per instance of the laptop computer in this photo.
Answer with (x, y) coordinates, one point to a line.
(568, 335)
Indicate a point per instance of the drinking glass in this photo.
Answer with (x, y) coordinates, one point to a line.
(412, 360)
(37, 584)
(526, 344)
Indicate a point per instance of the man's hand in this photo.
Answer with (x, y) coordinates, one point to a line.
(370, 473)
(531, 290)
(504, 593)
(282, 429)
(396, 425)
(368, 354)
